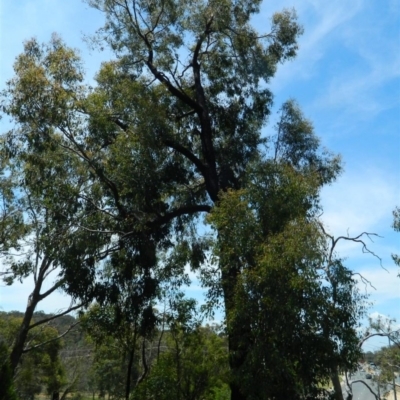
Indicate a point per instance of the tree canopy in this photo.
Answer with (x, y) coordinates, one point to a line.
(165, 166)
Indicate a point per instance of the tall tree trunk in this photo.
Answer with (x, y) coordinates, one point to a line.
(20, 340)
(129, 374)
(337, 386)
(236, 352)
(55, 396)
(236, 394)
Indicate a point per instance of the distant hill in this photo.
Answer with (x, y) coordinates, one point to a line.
(74, 338)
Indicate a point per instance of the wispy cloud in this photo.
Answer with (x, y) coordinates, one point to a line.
(15, 297)
(322, 21)
(352, 67)
(39, 19)
(360, 201)
(386, 320)
(330, 16)
(357, 94)
(385, 301)
(386, 284)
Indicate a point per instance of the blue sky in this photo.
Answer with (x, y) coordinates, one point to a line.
(346, 79)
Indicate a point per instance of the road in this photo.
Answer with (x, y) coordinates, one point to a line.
(360, 391)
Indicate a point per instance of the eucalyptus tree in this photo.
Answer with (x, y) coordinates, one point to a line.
(41, 369)
(12, 226)
(7, 390)
(296, 304)
(122, 328)
(45, 186)
(42, 217)
(192, 364)
(170, 132)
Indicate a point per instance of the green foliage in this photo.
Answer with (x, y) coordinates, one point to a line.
(108, 371)
(7, 391)
(12, 226)
(116, 333)
(180, 360)
(285, 275)
(387, 358)
(192, 365)
(115, 179)
(41, 368)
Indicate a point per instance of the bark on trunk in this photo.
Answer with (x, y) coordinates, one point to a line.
(129, 374)
(337, 386)
(236, 355)
(20, 340)
(55, 396)
(236, 394)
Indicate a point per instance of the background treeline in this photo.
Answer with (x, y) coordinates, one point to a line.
(97, 360)
(184, 361)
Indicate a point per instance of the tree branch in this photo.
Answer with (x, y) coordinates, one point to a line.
(98, 170)
(212, 183)
(189, 155)
(361, 342)
(149, 62)
(144, 361)
(364, 383)
(182, 211)
(356, 239)
(364, 280)
(26, 350)
(51, 290)
(43, 321)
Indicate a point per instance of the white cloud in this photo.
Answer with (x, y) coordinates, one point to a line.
(357, 94)
(386, 303)
(40, 18)
(386, 283)
(386, 320)
(330, 16)
(360, 201)
(15, 297)
(321, 20)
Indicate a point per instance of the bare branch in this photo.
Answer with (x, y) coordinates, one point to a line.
(364, 280)
(51, 290)
(26, 350)
(355, 239)
(189, 155)
(144, 362)
(369, 388)
(385, 334)
(45, 320)
(196, 208)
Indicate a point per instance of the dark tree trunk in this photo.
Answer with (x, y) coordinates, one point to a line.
(55, 396)
(337, 386)
(129, 374)
(236, 394)
(20, 340)
(236, 334)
